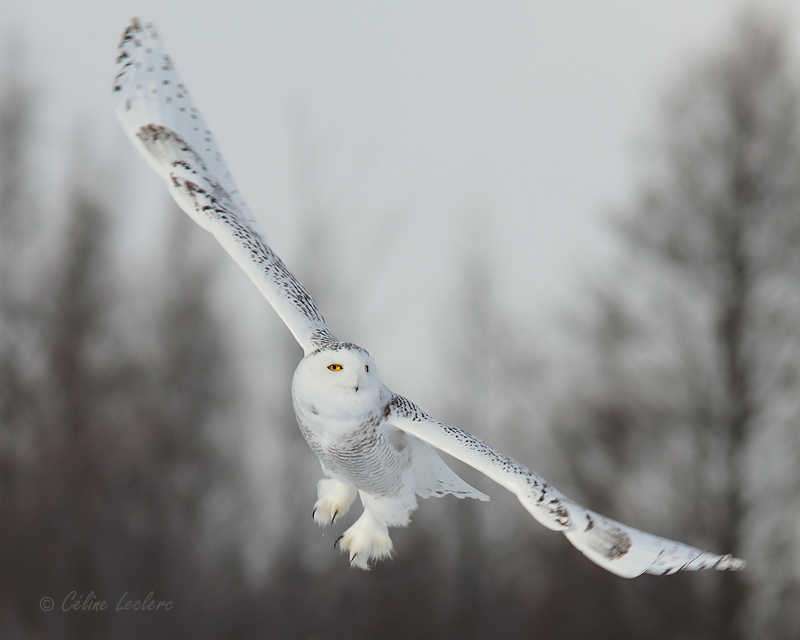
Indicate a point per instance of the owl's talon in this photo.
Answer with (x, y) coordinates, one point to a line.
(336, 543)
(367, 541)
(334, 500)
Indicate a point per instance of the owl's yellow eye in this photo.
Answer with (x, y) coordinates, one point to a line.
(366, 368)
(335, 367)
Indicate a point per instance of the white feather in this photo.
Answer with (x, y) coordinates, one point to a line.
(157, 113)
(616, 547)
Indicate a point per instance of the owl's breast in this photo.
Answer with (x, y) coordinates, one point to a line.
(362, 452)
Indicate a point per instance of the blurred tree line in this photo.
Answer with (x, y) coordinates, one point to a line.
(107, 462)
(671, 404)
(682, 415)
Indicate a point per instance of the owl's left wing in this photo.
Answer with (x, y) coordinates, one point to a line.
(158, 115)
(616, 547)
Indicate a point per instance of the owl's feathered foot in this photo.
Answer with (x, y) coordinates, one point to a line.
(367, 540)
(334, 498)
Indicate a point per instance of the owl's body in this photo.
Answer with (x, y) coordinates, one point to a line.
(343, 411)
(371, 443)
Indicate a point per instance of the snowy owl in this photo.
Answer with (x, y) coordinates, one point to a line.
(371, 443)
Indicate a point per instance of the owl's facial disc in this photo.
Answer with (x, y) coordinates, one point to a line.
(342, 366)
(349, 369)
(339, 379)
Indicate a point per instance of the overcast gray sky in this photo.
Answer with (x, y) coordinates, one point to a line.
(525, 112)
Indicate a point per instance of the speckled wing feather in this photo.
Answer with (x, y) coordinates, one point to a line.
(616, 547)
(157, 113)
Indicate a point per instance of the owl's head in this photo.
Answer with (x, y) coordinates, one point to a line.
(337, 379)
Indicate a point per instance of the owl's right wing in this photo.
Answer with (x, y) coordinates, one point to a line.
(616, 547)
(157, 113)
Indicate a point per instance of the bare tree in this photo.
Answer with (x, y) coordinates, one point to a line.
(490, 382)
(107, 460)
(692, 349)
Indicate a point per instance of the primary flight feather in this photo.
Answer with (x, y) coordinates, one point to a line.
(371, 443)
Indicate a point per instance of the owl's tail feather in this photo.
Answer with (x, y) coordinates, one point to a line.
(432, 477)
